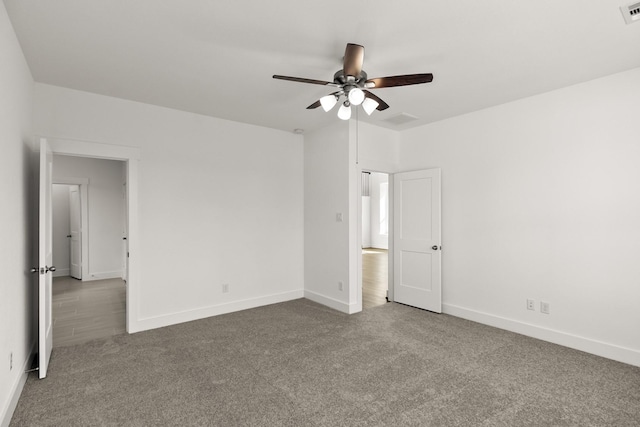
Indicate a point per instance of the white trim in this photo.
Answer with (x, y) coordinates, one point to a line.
(101, 275)
(599, 348)
(96, 150)
(16, 391)
(332, 303)
(60, 272)
(71, 181)
(131, 156)
(215, 310)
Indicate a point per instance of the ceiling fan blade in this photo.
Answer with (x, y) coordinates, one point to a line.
(314, 105)
(302, 80)
(381, 104)
(353, 59)
(405, 80)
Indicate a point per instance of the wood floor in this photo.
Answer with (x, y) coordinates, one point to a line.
(83, 311)
(374, 277)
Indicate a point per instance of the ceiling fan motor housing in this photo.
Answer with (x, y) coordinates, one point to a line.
(347, 83)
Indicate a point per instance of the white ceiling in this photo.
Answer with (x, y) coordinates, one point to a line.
(216, 57)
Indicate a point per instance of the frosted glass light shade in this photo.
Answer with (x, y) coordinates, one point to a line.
(327, 102)
(344, 112)
(369, 105)
(356, 96)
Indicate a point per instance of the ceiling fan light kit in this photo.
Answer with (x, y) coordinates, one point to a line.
(356, 96)
(369, 105)
(344, 112)
(328, 102)
(353, 83)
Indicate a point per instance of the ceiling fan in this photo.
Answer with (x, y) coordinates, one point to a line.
(353, 83)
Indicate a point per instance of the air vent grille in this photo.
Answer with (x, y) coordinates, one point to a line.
(631, 13)
(401, 119)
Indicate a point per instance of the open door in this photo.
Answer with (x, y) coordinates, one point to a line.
(417, 256)
(45, 258)
(75, 226)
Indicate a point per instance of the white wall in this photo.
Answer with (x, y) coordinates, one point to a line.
(106, 220)
(61, 228)
(378, 240)
(541, 200)
(371, 234)
(17, 287)
(326, 240)
(377, 149)
(366, 221)
(220, 203)
(334, 158)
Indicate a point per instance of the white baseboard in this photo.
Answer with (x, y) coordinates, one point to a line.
(103, 275)
(61, 272)
(216, 310)
(599, 348)
(16, 391)
(332, 303)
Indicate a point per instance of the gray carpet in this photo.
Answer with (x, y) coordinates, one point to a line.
(302, 364)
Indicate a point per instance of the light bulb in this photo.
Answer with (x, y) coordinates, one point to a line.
(369, 105)
(345, 111)
(356, 96)
(327, 102)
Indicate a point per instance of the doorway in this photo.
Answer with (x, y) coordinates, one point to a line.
(88, 294)
(375, 238)
(43, 166)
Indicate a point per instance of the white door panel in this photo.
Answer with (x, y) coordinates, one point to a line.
(417, 255)
(45, 259)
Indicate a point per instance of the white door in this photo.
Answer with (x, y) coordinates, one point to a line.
(125, 242)
(45, 259)
(417, 256)
(75, 232)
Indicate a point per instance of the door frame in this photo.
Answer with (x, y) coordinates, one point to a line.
(131, 157)
(83, 183)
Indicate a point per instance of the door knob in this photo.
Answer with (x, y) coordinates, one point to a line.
(52, 268)
(434, 247)
(34, 270)
(69, 235)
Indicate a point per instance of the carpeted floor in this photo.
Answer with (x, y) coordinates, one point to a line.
(302, 364)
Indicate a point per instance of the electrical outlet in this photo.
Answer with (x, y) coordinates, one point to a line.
(340, 286)
(531, 305)
(225, 288)
(544, 307)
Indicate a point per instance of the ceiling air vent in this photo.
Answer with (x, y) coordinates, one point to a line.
(401, 119)
(631, 13)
